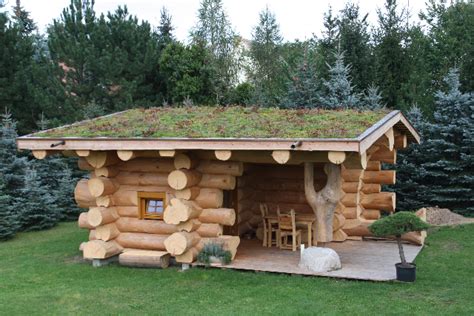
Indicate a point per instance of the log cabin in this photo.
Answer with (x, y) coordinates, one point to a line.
(163, 182)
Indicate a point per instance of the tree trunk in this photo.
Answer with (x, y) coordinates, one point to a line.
(400, 250)
(325, 201)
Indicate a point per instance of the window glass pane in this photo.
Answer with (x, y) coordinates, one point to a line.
(155, 207)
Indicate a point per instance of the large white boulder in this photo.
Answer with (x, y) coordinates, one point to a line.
(320, 259)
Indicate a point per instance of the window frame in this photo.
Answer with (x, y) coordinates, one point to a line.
(142, 204)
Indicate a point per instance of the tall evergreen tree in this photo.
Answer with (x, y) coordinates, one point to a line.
(411, 184)
(12, 166)
(25, 24)
(451, 34)
(304, 87)
(37, 206)
(339, 88)
(165, 29)
(354, 41)
(214, 31)
(8, 219)
(267, 73)
(390, 57)
(327, 44)
(449, 149)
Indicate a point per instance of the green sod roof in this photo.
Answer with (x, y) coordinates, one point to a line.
(223, 122)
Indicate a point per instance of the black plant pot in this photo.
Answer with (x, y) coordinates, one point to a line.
(406, 273)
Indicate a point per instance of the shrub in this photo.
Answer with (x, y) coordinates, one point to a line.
(214, 250)
(396, 225)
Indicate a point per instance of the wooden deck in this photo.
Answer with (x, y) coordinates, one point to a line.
(361, 260)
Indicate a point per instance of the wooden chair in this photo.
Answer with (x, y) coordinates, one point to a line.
(287, 228)
(268, 228)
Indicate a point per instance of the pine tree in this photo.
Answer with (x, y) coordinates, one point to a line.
(8, 220)
(304, 87)
(372, 99)
(37, 206)
(327, 45)
(411, 185)
(267, 74)
(339, 89)
(165, 29)
(449, 149)
(23, 20)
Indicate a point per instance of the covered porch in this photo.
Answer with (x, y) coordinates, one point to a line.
(361, 260)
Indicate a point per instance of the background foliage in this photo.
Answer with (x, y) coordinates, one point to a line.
(86, 65)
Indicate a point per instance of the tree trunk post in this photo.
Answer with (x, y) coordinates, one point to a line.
(323, 202)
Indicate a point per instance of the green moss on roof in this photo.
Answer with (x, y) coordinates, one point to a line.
(219, 122)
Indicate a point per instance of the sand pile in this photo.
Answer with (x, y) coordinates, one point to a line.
(443, 216)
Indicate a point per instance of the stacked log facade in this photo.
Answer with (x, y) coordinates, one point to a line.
(193, 217)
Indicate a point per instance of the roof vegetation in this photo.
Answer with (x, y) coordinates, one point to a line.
(222, 122)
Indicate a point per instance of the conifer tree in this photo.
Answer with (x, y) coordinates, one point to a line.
(372, 99)
(304, 87)
(390, 56)
(339, 89)
(354, 41)
(214, 31)
(36, 204)
(165, 29)
(8, 219)
(267, 74)
(449, 149)
(411, 185)
(12, 166)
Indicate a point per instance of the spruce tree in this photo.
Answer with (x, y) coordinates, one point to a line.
(411, 185)
(64, 195)
(372, 99)
(449, 149)
(37, 207)
(304, 87)
(354, 41)
(339, 90)
(12, 165)
(390, 55)
(267, 73)
(8, 219)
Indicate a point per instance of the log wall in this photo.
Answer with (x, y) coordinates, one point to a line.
(194, 214)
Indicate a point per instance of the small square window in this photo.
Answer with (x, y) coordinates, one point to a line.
(151, 205)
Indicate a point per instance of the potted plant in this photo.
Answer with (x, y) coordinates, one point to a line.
(214, 253)
(396, 225)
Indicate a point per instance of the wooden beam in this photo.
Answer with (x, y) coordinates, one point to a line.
(83, 153)
(384, 155)
(41, 154)
(336, 157)
(281, 156)
(167, 153)
(223, 155)
(126, 155)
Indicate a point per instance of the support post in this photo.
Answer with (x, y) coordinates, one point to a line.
(323, 202)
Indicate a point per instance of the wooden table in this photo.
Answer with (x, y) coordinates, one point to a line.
(302, 219)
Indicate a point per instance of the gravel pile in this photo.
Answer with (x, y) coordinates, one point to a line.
(443, 216)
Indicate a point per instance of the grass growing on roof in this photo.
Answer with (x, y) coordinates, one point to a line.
(233, 121)
(41, 273)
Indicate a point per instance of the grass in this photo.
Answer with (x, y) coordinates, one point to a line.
(41, 273)
(233, 121)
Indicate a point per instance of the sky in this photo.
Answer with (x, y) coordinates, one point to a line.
(298, 19)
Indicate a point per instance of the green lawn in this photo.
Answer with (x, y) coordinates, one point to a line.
(41, 273)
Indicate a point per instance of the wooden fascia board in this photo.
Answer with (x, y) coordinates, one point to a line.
(98, 144)
(371, 135)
